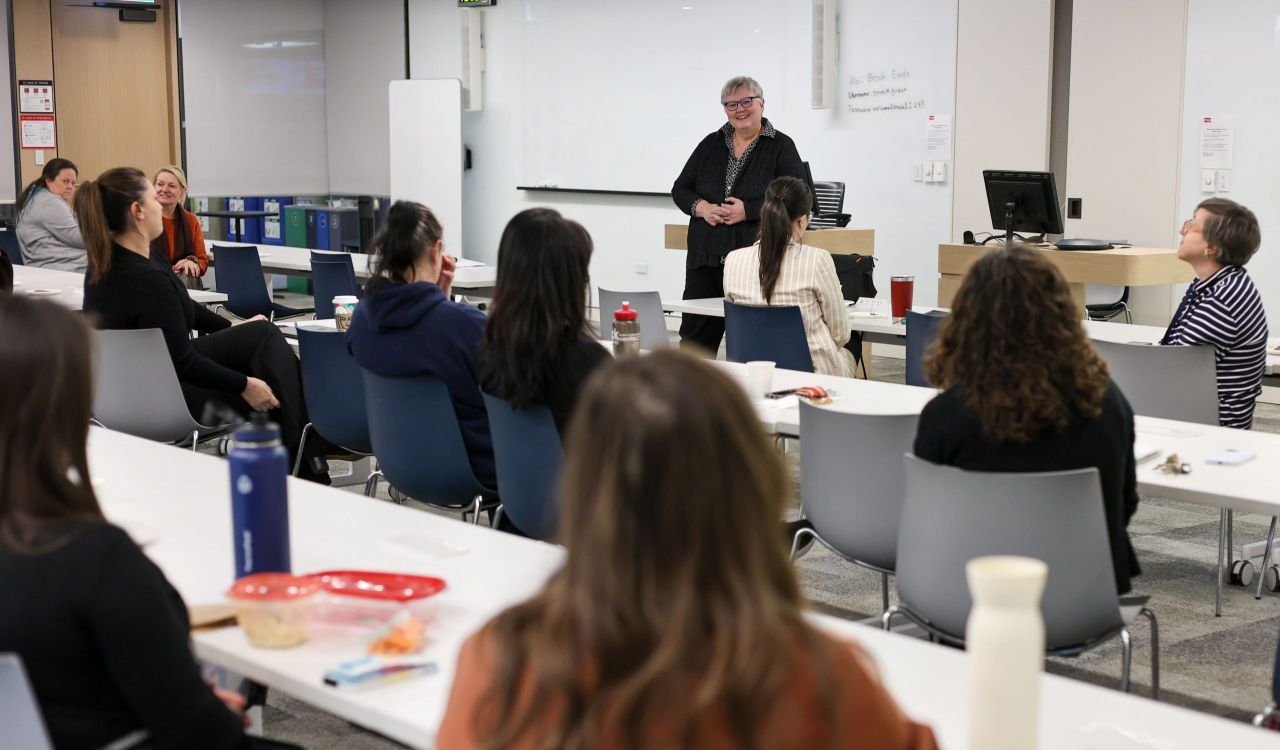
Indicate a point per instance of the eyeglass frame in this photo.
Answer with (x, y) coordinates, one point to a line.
(1190, 224)
(746, 101)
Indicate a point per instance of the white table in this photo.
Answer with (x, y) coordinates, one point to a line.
(70, 286)
(470, 277)
(188, 536)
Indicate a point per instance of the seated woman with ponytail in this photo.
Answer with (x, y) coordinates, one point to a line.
(248, 366)
(778, 270)
(407, 325)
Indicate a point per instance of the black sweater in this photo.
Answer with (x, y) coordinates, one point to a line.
(104, 638)
(138, 292)
(703, 177)
(950, 434)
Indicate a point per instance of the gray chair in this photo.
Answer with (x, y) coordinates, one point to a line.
(950, 516)
(1177, 382)
(851, 484)
(19, 712)
(828, 205)
(136, 390)
(653, 325)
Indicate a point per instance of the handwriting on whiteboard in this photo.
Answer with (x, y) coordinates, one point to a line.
(886, 90)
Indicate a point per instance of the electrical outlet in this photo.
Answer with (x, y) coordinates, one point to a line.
(39, 157)
(918, 170)
(1207, 179)
(1075, 208)
(642, 268)
(939, 171)
(1224, 180)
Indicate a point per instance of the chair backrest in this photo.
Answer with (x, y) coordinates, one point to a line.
(1170, 382)
(239, 276)
(950, 516)
(922, 329)
(830, 197)
(9, 241)
(19, 713)
(766, 333)
(1105, 294)
(653, 325)
(529, 457)
(415, 435)
(334, 389)
(136, 390)
(331, 276)
(851, 479)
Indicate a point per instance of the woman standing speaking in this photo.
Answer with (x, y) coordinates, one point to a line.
(722, 188)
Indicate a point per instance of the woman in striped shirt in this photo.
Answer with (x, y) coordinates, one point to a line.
(778, 270)
(1222, 307)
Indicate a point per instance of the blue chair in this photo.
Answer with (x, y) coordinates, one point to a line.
(766, 333)
(416, 437)
(332, 275)
(334, 390)
(922, 329)
(239, 276)
(526, 447)
(9, 242)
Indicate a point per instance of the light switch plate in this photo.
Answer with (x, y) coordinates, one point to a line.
(928, 171)
(918, 170)
(939, 171)
(1207, 179)
(1224, 180)
(39, 157)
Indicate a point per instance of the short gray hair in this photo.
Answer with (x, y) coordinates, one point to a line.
(737, 82)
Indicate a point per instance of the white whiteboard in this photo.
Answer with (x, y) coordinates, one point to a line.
(1233, 57)
(426, 138)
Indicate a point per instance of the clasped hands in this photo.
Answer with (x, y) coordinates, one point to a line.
(732, 211)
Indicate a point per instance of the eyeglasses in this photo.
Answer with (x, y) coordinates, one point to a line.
(1190, 225)
(731, 106)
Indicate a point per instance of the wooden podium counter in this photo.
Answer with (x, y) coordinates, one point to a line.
(1121, 266)
(838, 241)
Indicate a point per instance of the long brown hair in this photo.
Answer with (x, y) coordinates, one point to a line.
(102, 208)
(1015, 345)
(52, 169)
(676, 599)
(539, 304)
(786, 200)
(45, 396)
(410, 232)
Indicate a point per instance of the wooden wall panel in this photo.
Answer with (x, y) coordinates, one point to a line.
(32, 60)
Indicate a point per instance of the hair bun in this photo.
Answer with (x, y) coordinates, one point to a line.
(402, 217)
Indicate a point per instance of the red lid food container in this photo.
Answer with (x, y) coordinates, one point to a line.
(274, 609)
(364, 598)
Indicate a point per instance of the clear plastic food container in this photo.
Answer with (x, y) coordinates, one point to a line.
(275, 609)
(371, 598)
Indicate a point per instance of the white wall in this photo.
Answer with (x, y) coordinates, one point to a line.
(254, 87)
(1233, 56)
(873, 154)
(1002, 98)
(363, 52)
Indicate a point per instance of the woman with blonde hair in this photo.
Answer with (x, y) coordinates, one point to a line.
(1024, 390)
(673, 623)
(182, 244)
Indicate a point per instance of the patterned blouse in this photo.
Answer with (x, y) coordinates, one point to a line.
(1225, 311)
(737, 163)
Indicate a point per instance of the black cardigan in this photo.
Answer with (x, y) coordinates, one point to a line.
(950, 434)
(703, 177)
(105, 640)
(138, 292)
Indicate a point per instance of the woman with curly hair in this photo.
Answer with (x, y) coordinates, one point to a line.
(1024, 390)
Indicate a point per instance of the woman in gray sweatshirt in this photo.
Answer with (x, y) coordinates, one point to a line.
(48, 232)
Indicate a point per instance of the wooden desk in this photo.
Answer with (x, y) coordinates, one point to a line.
(1122, 266)
(838, 241)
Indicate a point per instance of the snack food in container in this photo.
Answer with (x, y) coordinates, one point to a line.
(275, 609)
(362, 597)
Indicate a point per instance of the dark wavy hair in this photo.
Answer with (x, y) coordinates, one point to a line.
(786, 200)
(667, 609)
(52, 169)
(411, 231)
(539, 305)
(1015, 346)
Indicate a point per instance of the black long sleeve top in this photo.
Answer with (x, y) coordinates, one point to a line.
(703, 177)
(138, 292)
(104, 638)
(949, 434)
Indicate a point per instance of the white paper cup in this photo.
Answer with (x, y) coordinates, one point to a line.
(759, 378)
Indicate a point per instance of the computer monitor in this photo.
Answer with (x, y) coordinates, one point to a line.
(1022, 202)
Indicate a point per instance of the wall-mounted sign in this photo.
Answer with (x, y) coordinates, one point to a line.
(35, 96)
(38, 131)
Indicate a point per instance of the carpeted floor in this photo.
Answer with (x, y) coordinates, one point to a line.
(1217, 665)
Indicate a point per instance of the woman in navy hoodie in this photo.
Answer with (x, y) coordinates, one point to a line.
(406, 324)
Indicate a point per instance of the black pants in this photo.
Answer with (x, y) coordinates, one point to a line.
(259, 350)
(702, 331)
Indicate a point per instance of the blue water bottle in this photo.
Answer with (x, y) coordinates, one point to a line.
(259, 498)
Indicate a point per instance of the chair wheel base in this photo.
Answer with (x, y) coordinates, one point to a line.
(1271, 579)
(1241, 573)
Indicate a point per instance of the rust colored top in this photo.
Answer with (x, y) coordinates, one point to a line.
(868, 717)
(194, 235)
